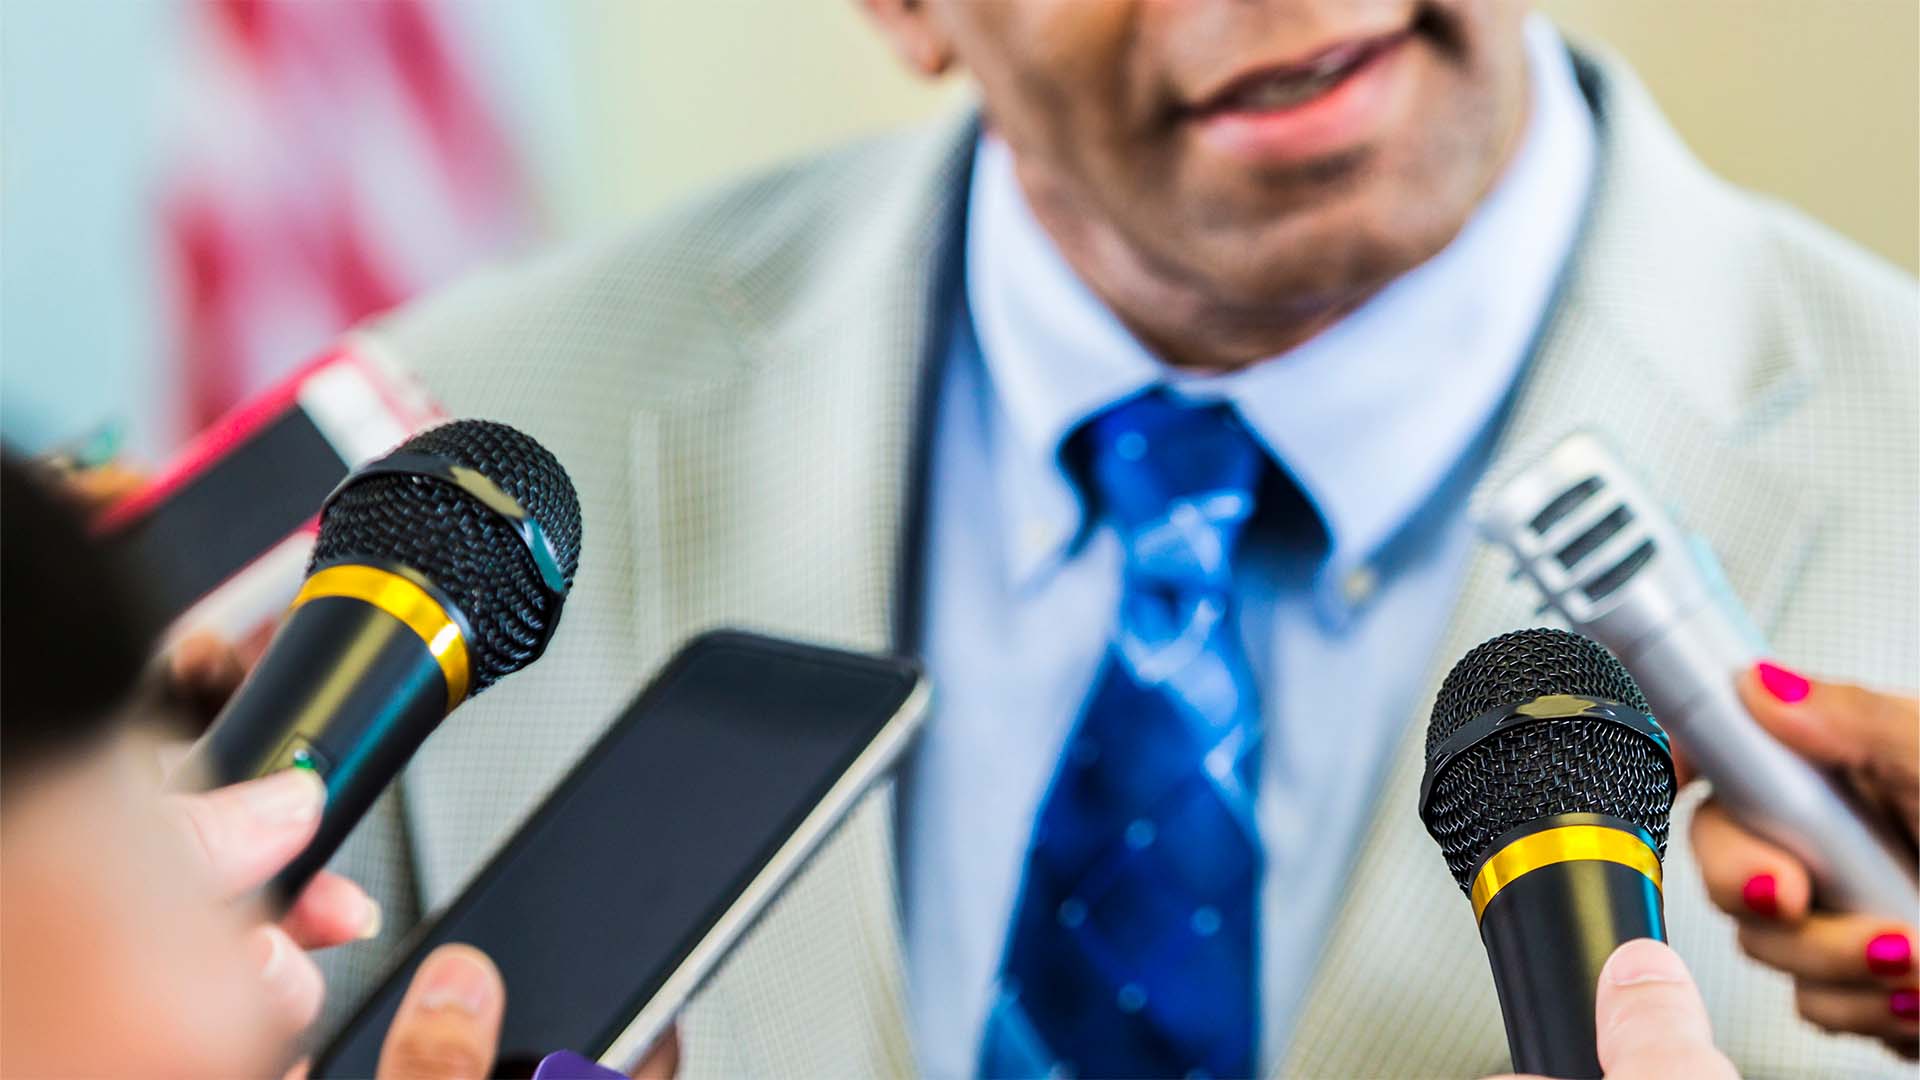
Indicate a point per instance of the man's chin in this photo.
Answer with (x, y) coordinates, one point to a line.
(1303, 268)
(1237, 194)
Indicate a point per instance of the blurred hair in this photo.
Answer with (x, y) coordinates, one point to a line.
(75, 629)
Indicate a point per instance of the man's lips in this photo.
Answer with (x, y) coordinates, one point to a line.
(1278, 86)
(1330, 104)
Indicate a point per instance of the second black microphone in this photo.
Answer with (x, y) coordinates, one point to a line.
(1549, 787)
(439, 569)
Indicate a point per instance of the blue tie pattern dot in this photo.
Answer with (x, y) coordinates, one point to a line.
(1134, 945)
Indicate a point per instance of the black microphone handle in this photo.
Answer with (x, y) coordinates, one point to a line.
(346, 689)
(1549, 931)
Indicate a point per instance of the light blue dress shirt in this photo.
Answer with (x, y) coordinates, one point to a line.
(1383, 421)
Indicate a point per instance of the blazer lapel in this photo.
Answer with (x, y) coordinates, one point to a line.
(782, 499)
(1640, 346)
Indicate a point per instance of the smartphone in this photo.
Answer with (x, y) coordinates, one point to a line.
(227, 525)
(627, 886)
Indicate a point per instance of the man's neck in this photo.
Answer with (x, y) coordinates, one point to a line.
(1181, 320)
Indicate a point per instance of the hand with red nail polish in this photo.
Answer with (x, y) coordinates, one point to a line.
(1761, 894)
(1852, 973)
(1872, 737)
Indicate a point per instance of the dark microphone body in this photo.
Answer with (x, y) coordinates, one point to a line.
(1549, 788)
(439, 569)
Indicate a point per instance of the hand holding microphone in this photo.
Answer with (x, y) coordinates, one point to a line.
(1814, 785)
(1870, 738)
(1649, 1022)
(1608, 557)
(1853, 972)
(242, 835)
(439, 569)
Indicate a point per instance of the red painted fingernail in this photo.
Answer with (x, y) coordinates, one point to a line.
(1890, 954)
(1784, 685)
(1905, 1004)
(1762, 895)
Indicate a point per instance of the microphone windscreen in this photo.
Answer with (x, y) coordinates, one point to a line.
(472, 554)
(1566, 765)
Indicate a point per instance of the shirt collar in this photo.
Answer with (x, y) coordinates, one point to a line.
(1368, 417)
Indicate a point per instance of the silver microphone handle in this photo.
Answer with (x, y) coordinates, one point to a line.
(1654, 595)
(1856, 862)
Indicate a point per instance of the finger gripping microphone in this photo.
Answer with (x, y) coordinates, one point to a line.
(439, 569)
(1548, 787)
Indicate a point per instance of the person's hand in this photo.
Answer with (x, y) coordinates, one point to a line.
(1873, 738)
(448, 1025)
(203, 670)
(1852, 973)
(243, 834)
(1649, 1021)
(100, 486)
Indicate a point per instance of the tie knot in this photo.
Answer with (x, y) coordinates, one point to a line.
(1177, 479)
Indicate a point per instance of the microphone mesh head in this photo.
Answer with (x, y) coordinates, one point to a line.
(1555, 766)
(472, 554)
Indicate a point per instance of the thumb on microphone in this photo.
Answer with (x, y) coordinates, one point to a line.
(1649, 1020)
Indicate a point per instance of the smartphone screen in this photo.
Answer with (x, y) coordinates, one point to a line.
(222, 528)
(240, 505)
(641, 850)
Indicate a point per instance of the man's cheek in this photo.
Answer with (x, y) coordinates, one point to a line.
(1050, 52)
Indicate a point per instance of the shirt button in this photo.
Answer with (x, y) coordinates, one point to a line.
(1359, 585)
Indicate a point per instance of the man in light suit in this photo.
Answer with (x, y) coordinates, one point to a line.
(1147, 411)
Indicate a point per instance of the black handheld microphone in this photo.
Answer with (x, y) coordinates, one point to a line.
(1548, 787)
(440, 568)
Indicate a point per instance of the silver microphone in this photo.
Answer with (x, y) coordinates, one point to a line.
(1609, 558)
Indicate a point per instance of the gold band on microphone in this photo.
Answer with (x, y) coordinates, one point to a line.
(1564, 843)
(406, 601)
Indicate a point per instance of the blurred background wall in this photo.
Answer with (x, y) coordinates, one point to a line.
(1815, 101)
(614, 108)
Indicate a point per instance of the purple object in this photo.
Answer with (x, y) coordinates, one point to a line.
(567, 1065)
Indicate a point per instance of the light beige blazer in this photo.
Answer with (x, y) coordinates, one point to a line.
(736, 390)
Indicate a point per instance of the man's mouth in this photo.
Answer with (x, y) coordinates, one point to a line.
(1279, 87)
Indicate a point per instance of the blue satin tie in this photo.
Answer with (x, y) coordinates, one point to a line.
(1134, 947)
